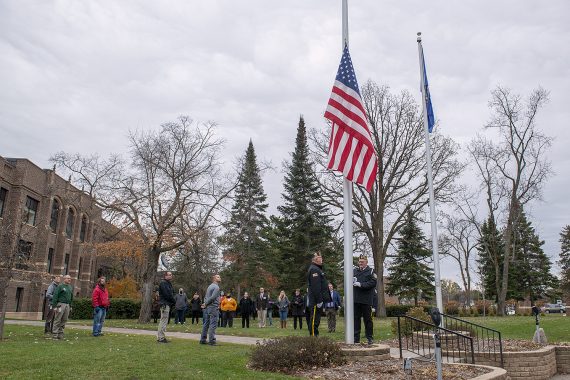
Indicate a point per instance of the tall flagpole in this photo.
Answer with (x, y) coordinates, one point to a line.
(347, 195)
(438, 299)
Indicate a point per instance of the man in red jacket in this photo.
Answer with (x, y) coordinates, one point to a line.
(100, 301)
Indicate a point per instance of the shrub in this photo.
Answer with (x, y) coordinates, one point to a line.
(407, 328)
(452, 308)
(480, 304)
(121, 308)
(475, 311)
(291, 353)
(395, 310)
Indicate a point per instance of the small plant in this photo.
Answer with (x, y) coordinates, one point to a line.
(292, 353)
(452, 308)
(409, 326)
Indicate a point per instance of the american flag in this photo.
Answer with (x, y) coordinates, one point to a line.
(351, 150)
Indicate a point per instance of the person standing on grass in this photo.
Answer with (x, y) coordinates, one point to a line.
(61, 302)
(245, 307)
(50, 310)
(155, 308)
(181, 306)
(195, 307)
(318, 292)
(364, 283)
(229, 306)
(100, 302)
(297, 309)
(261, 303)
(210, 306)
(283, 306)
(166, 301)
(331, 308)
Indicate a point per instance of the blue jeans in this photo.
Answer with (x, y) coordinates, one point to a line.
(283, 315)
(210, 323)
(99, 314)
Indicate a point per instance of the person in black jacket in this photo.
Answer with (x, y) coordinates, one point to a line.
(166, 301)
(318, 294)
(364, 283)
(195, 303)
(297, 309)
(245, 307)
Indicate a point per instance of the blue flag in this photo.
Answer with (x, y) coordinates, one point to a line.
(427, 97)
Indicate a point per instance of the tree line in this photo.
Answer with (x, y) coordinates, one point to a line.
(173, 194)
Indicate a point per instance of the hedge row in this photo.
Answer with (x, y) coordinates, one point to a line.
(121, 308)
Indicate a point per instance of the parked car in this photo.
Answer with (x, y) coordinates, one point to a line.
(554, 308)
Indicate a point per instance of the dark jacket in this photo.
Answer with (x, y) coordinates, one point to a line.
(245, 306)
(261, 303)
(195, 304)
(166, 293)
(297, 306)
(181, 301)
(318, 285)
(335, 302)
(365, 293)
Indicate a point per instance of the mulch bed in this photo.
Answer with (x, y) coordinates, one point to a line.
(392, 370)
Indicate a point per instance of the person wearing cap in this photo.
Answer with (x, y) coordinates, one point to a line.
(318, 292)
(364, 283)
(61, 302)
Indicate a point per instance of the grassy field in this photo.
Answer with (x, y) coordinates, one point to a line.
(557, 327)
(26, 354)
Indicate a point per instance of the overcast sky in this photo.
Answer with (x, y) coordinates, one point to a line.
(78, 75)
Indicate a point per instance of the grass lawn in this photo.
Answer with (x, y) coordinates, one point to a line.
(26, 354)
(557, 327)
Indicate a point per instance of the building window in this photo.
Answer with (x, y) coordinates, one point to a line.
(83, 229)
(70, 220)
(79, 269)
(3, 194)
(66, 264)
(50, 260)
(19, 298)
(54, 215)
(24, 254)
(31, 210)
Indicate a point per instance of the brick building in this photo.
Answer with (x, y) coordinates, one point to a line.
(49, 225)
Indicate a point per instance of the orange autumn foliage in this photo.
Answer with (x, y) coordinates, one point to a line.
(123, 288)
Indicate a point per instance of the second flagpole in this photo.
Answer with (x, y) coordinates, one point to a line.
(347, 195)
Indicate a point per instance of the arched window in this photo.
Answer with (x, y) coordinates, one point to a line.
(70, 221)
(54, 215)
(83, 229)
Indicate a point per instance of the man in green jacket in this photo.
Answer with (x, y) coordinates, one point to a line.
(61, 302)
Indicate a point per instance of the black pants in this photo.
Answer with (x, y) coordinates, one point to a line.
(300, 318)
(228, 318)
(365, 312)
(315, 320)
(196, 316)
(245, 320)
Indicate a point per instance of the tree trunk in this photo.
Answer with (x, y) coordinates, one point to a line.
(147, 289)
(3, 302)
(379, 269)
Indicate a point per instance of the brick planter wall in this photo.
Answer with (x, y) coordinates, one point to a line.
(563, 359)
(536, 365)
(367, 353)
(495, 374)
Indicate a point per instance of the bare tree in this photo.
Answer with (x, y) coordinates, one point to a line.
(513, 169)
(171, 174)
(16, 257)
(401, 186)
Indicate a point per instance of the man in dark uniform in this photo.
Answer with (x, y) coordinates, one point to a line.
(364, 283)
(318, 292)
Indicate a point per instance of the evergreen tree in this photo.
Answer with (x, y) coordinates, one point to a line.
(565, 260)
(408, 273)
(531, 267)
(491, 253)
(304, 223)
(245, 241)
